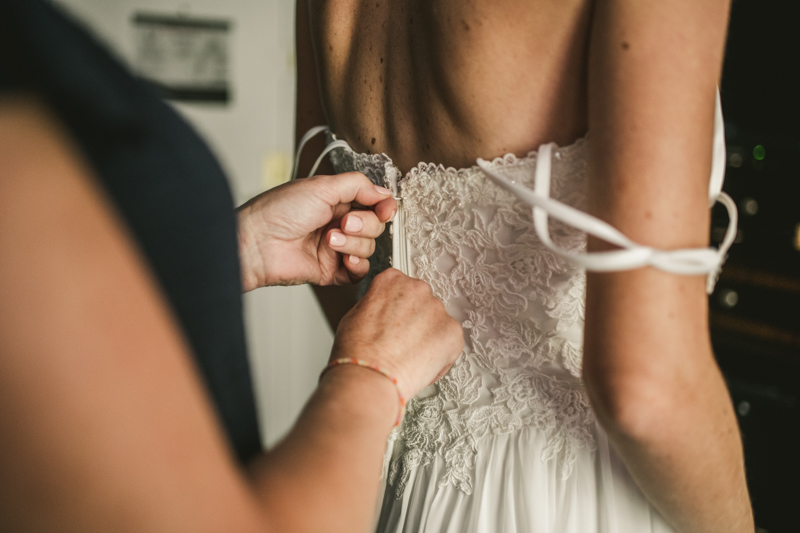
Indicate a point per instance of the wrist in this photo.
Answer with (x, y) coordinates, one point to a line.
(364, 392)
(380, 371)
(250, 258)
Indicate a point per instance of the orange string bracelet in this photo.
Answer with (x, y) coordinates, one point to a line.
(375, 368)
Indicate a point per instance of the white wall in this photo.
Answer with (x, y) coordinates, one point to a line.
(288, 337)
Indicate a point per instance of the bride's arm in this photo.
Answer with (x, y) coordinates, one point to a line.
(648, 364)
(335, 301)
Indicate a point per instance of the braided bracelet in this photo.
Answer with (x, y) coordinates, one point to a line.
(366, 364)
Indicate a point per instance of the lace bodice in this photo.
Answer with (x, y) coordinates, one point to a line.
(520, 305)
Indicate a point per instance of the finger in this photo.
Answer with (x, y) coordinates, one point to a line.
(357, 268)
(386, 209)
(349, 187)
(363, 224)
(350, 245)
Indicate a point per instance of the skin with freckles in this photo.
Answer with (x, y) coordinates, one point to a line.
(467, 78)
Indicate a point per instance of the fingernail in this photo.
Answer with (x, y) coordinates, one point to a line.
(393, 214)
(337, 239)
(355, 260)
(353, 223)
(383, 190)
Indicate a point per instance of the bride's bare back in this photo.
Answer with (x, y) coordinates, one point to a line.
(447, 80)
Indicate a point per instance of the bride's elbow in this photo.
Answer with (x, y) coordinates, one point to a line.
(645, 390)
(639, 407)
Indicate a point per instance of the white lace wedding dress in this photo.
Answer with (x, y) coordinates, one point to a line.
(506, 442)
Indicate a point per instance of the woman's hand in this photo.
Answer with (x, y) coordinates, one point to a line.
(400, 326)
(308, 231)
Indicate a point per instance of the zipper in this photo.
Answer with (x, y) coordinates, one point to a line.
(397, 230)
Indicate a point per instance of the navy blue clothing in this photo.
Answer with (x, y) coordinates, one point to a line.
(165, 183)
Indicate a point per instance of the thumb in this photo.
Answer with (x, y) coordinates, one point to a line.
(350, 187)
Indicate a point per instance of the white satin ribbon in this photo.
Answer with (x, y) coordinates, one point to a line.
(632, 255)
(313, 132)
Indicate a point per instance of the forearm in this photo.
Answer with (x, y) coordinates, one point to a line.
(692, 472)
(251, 262)
(657, 391)
(331, 460)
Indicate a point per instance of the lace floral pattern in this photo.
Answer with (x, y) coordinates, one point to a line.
(475, 245)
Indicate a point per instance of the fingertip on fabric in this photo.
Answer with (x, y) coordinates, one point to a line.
(386, 209)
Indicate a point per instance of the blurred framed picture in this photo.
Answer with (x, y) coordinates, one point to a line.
(185, 58)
